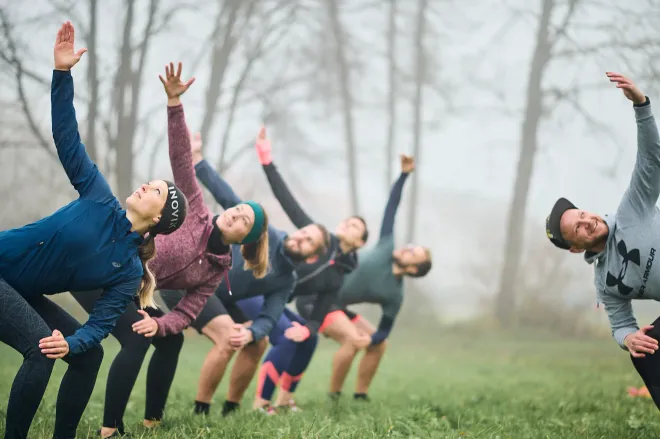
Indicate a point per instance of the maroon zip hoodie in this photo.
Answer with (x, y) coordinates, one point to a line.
(182, 261)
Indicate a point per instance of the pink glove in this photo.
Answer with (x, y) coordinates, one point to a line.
(263, 147)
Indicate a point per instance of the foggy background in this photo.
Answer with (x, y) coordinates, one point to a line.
(504, 104)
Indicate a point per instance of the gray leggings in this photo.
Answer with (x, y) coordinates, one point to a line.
(22, 324)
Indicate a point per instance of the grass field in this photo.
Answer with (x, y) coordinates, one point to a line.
(475, 386)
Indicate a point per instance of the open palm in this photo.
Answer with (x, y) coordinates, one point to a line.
(174, 87)
(64, 54)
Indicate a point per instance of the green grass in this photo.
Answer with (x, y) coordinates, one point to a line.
(475, 386)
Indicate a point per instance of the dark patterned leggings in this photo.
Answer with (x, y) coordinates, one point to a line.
(126, 366)
(649, 366)
(22, 325)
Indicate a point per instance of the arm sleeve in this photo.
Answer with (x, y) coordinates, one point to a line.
(273, 307)
(107, 309)
(383, 331)
(187, 310)
(644, 189)
(387, 227)
(219, 188)
(320, 309)
(181, 161)
(289, 204)
(81, 170)
(390, 311)
(621, 317)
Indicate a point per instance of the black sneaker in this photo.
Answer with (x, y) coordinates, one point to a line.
(117, 433)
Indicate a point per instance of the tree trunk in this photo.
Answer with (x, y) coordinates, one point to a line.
(392, 95)
(515, 231)
(346, 102)
(123, 149)
(223, 45)
(420, 69)
(92, 83)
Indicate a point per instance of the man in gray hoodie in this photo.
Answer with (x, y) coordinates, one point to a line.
(623, 245)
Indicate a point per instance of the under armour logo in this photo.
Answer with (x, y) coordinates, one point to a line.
(628, 256)
(116, 264)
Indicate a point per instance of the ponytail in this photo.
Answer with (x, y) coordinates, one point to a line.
(255, 254)
(147, 251)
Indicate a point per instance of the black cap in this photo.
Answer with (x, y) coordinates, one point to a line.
(174, 212)
(552, 222)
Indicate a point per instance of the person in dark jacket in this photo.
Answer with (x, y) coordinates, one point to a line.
(223, 321)
(319, 281)
(195, 259)
(90, 243)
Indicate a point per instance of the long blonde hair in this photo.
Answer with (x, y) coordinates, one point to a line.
(256, 253)
(147, 251)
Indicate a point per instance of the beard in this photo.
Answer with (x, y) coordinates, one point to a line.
(399, 263)
(295, 255)
(596, 242)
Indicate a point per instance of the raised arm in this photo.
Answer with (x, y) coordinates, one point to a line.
(181, 158)
(107, 309)
(219, 188)
(642, 194)
(284, 196)
(387, 227)
(82, 172)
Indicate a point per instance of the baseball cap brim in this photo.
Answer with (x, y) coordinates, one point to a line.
(552, 223)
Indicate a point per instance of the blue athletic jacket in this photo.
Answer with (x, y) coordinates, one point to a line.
(85, 245)
(276, 286)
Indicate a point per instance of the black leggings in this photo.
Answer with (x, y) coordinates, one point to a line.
(649, 366)
(126, 365)
(22, 325)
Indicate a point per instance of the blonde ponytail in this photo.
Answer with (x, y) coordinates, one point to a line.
(256, 253)
(147, 251)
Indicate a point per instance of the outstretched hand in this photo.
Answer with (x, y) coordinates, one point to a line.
(174, 87)
(263, 147)
(407, 164)
(630, 90)
(63, 53)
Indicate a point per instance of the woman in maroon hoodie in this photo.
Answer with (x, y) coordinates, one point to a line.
(196, 259)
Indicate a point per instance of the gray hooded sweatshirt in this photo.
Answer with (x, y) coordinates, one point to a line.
(626, 269)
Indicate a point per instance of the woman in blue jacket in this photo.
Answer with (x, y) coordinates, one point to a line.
(91, 243)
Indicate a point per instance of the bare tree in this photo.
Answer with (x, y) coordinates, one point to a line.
(92, 82)
(224, 38)
(9, 55)
(391, 94)
(272, 31)
(347, 101)
(505, 303)
(125, 104)
(418, 106)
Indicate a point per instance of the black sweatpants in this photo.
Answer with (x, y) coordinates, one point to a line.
(649, 366)
(126, 365)
(22, 325)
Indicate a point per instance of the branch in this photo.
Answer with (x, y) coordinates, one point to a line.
(561, 30)
(20, 87)
(614, 44)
